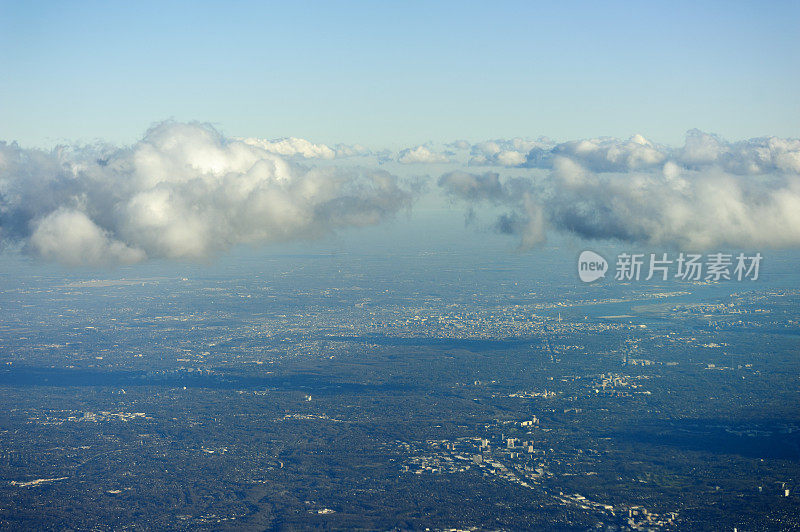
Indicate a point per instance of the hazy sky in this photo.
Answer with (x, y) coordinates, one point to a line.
(392, 74)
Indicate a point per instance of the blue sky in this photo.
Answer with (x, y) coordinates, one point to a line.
(393, 74)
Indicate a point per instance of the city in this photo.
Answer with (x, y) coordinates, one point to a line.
(258, 404)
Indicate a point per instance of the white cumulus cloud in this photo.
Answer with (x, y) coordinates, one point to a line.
(506, 152)
(421, 155)
(302, 148)
(708, 194)
(183, 191)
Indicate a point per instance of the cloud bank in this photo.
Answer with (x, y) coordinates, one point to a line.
(183, 192)
(707, 194)
(607, 154)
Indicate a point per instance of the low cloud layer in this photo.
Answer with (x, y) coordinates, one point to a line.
(184, 191)
(607, 154)
(745, 195)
